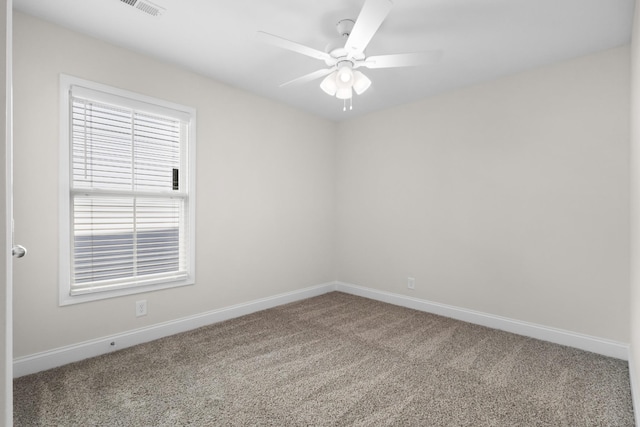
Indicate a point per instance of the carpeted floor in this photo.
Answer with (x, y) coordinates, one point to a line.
(333, 360)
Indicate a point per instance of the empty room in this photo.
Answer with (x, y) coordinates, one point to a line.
(355, 212)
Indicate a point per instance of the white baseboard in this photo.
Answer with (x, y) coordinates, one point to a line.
(559, 336)
(73, 353)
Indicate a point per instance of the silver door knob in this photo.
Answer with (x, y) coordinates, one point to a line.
(18, 251)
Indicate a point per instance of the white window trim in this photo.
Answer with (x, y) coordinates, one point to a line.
(64, 226)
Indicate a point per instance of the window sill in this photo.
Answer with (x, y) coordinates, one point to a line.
(66, 299)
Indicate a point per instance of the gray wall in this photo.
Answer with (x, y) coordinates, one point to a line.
(509, 197)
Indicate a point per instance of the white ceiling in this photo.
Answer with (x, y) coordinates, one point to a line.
(481, 40)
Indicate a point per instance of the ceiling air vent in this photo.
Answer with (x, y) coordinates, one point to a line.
(145, 6)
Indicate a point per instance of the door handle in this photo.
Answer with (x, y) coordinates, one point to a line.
(18, 251)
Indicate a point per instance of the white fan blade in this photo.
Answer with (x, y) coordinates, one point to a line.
(309, 77)
(371, 16)
(289, 45)
(403, 59)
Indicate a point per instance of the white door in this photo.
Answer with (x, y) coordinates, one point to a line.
(6, 209)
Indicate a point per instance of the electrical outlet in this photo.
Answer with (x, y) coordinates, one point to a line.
(141, 308)
(411, 283)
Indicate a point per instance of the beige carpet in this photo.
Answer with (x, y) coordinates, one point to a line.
(333, 360)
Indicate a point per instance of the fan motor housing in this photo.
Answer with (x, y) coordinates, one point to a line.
(336, 47)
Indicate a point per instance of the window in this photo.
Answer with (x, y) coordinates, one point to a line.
(127, 192)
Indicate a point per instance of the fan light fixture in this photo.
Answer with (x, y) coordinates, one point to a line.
(343, 57)
(360, 82)
(342, 82)
(345, 74)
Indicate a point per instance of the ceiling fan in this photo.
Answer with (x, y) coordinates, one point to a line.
(343, 58)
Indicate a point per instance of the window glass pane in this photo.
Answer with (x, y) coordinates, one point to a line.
(103, 238)
(115, 148)
(157, 152)
(101, 146)
(119, 238)
(158, 235)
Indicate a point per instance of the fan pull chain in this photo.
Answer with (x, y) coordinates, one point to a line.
(344, 104)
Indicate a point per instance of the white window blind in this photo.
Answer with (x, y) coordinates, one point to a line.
(128, 193)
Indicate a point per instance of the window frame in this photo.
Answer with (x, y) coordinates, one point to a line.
(127, 99)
